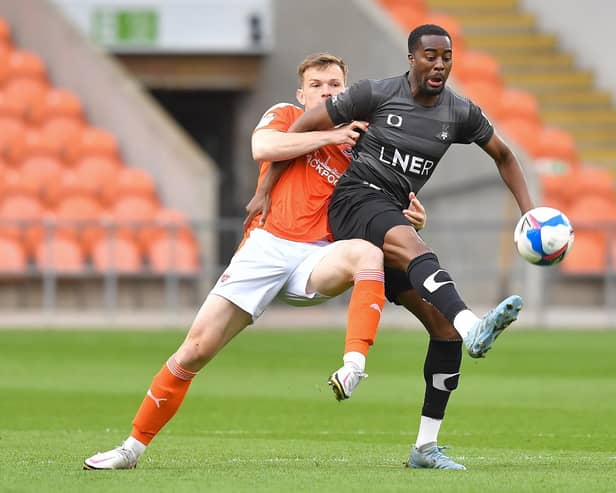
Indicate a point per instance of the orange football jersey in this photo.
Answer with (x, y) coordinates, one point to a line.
(300, 199)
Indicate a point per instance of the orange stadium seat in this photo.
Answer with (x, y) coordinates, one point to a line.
(557, 189)
(14, 184)
(168, 223)
(558, 144)
(475, 65)
(57, 103)
(69, 185)
(42, 171)
(27, 92)
(11, 129)
(13, 259)
(116, 254)
(62, 130)
(588, 254)
(61, 255)
(77, 217)
(11, 107)
(522, 132)
(26, 64)
(94, 172)
(517, 103)
(30, 143)
(5, 32)
(20, 217)
(166, 255)
(487, 95)
(408, 16)
(594, 181)
(92, 142)
(132, 214)
(451, 25)
(129, 181)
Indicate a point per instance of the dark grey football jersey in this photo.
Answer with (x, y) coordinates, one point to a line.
(405, 140)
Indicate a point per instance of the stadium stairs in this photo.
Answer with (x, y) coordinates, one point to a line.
(80, 226)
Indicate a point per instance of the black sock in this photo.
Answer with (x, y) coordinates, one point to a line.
(435, 285)
(441, 372)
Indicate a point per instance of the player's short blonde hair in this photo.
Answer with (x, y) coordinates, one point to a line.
(320, 61)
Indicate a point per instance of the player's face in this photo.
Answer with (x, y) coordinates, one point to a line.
(430, 65)
(320, 84)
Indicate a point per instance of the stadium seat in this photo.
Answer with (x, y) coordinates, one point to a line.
(13, 259)
(11, 107)
(27, 92)
(523, 132)
(68, 185)
(61, 255)
(557, 189)
(166, 255)
(14, 184)
(557, 143)
(407, 16)
(517, 103)
(32, 142)
(475, 65)
(5, 32)
(92, 142)
(57, 103)
(132, 213)
(94, 172)
(487, 95)
(78, 217)
(41, 171)
(451, 25)
(588, 254)
(129, 181)
(594, 181)
(116, 254)
(11, 129)
(167, 223)
(26, 65)
(63, 130)
(20, 219)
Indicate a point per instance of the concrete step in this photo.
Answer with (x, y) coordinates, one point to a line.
(503, 44)
(575, 98)
(553, 62)
(607, 117)
(604, 155)
(456, 6)
(476, 23)
(553, 82)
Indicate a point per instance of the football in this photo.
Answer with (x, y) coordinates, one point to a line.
(543, 236)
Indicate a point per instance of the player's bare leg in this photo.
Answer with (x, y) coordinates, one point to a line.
(358, 263)
(216, 323)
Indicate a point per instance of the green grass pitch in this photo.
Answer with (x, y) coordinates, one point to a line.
(538, 414)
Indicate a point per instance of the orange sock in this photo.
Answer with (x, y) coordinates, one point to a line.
(163, 399)
(365, 308)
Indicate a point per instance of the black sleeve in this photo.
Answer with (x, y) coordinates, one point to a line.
(478, 128)
(353, 104)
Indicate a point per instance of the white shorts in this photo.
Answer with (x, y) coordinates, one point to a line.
(266, 267)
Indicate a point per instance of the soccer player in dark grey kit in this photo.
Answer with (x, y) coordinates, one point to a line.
(413, 119)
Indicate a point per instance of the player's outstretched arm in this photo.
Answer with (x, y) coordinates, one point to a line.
(510, 171)
(316, 118)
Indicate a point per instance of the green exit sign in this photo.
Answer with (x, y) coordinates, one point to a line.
(128, 27)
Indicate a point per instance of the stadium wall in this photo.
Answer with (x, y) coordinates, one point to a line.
(465, 190)
(113, 100)
(584, 28)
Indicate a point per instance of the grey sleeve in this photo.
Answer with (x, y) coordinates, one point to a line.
(353, 104)
(478, 128)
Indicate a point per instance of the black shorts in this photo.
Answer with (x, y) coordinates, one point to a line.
(365, 213)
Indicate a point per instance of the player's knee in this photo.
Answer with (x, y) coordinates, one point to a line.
(364, 255)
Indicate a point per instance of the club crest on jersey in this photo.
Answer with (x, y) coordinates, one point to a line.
(444, 133)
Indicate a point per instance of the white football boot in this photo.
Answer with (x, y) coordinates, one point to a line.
(344, 381)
